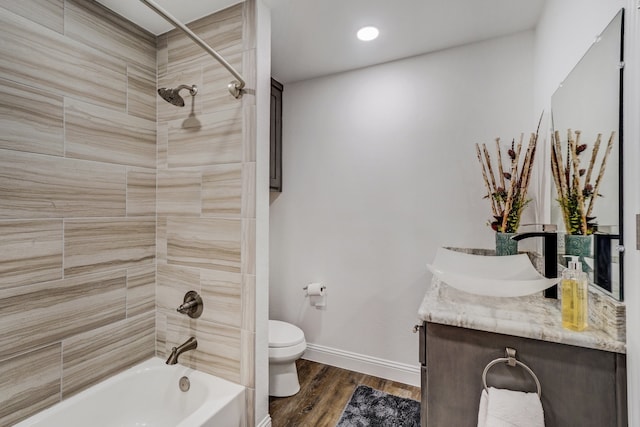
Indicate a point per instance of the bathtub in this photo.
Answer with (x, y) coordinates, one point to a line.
(149, 395)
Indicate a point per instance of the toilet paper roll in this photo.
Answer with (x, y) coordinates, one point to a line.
(315, 289)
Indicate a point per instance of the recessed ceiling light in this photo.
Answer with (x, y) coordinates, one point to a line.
(367, 33)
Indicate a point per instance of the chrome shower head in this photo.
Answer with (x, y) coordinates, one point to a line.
(172, 96)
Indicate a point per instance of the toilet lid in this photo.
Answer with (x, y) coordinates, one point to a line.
(283, 334)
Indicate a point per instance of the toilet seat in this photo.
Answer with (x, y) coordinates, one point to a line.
(283, 334)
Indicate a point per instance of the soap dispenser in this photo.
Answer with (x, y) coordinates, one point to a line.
(574, 295)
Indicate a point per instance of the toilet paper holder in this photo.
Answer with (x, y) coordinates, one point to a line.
(322, 288)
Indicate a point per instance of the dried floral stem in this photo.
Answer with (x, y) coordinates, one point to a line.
(602, 168)
(564, 190)
(491, 175)
(577, 185)
(525, 174)
(514, 170)
(594, 154)
(558, 172)
(486, 181)
(500, 169)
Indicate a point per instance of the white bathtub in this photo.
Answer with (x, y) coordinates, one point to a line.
(149, 395)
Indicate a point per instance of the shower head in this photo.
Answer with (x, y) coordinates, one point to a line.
(172, 96)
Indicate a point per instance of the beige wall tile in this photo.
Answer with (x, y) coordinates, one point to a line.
(31, 119)
(94, 25)
(204, 242)
(222, 190)
(30, 252)
(249, 246)
(141, 192)
(30, 383)
(161, 239)
(218, 141)
(249, 190)
(250, 23)
(249, 302)
(173, 283)
(67, 307)
(215, 95)
(221, 293)
(141, 92)
(162, 145)
(249, 133)
(250, 401)
(222, 31)
(104, 69)
(161, 335)
(49, 13)
(90, 357)
(250, 76)
(101, 245)
(218, 351)
(179, 192)
(248, 360)
(141, 290)
(162, 54)
(36, 56)
(36, 186)
(102, 134)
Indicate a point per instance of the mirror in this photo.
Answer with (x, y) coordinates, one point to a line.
(590, 100)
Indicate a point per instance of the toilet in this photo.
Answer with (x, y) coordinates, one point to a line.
(286, 345)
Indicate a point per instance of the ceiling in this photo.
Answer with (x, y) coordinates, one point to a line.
(312, 38)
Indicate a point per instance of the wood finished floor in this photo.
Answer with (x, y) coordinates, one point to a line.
(324, 392)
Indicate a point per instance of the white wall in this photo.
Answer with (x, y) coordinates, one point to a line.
(379, 171)
(566, 30)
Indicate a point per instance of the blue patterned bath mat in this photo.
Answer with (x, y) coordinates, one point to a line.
(373, 408)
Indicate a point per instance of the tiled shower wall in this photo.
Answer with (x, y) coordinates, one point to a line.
(206, 198)
(77, 200)
(85, 232)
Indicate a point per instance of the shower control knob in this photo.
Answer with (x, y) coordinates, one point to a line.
(192, 305)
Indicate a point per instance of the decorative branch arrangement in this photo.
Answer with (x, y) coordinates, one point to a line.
(507, 203)
(574, 191)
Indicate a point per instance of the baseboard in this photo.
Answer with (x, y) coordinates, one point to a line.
(266, 422)
(387, 369)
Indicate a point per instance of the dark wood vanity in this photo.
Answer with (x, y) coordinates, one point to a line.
(582, 375)
(580, 386)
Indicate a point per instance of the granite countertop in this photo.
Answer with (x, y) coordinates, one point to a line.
(530, 316)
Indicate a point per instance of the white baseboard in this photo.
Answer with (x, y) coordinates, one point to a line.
(387, 369)
(266, 422)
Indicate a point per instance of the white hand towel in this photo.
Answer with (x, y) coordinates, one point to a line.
(507, 408)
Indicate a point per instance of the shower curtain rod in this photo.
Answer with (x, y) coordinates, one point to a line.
(235, 87)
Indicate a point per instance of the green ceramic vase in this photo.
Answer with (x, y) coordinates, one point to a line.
(505, 245)
(577, 244)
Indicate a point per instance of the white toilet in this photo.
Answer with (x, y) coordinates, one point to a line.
(286, 345)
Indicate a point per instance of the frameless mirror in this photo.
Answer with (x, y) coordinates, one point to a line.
(589, 100)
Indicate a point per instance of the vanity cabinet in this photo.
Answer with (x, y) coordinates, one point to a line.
(580, 386)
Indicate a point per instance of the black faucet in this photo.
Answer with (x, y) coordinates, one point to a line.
(602, 252)
(550, 257)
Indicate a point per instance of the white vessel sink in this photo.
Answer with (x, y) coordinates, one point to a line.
(497, 276)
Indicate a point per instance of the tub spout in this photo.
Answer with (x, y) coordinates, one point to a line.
(189, 344)
(550, 257)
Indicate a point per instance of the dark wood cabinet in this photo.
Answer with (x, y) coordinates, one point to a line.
(275, 174)
(580, 386)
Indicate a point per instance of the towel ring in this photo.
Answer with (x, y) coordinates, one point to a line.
(511, 361)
